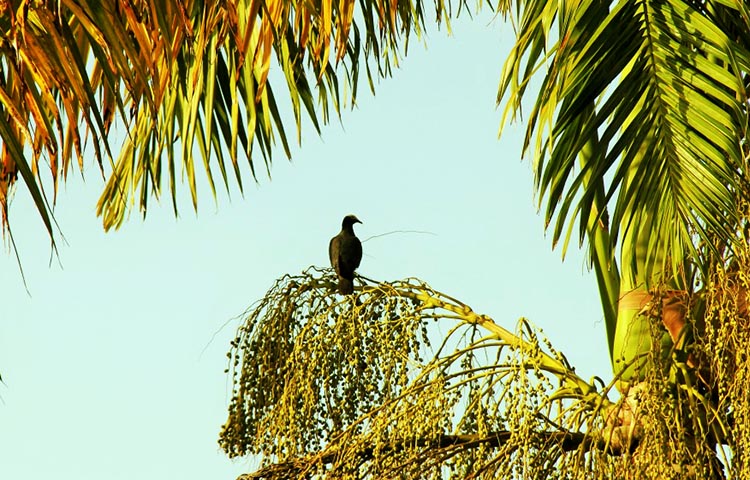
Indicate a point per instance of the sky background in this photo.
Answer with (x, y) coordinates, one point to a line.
(113, 365)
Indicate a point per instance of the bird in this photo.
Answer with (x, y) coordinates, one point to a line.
(345, 252)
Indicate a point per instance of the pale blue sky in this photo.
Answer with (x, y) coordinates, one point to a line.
(105, 371)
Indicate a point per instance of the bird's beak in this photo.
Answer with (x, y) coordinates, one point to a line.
(357, 220)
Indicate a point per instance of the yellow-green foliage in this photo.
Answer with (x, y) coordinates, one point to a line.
(693, 406)
(402, 381)
(353, 387)
(723, 346)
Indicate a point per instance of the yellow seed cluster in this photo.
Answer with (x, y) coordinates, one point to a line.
(362, 386)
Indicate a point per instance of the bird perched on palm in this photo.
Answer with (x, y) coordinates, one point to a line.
(345, 252)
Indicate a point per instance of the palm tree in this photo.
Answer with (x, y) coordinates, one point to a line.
(638, 138)
(650, 127)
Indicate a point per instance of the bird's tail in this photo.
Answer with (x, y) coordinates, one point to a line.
(346, 286)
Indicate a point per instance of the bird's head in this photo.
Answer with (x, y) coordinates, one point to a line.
(350, 220)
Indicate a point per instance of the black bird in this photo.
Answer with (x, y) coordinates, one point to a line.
(345, 252)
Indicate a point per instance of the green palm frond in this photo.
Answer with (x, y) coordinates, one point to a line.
(666, 79)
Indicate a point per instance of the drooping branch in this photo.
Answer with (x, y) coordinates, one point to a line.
(356, 387)
(347, 384)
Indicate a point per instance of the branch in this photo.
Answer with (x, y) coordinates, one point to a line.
(566, 441)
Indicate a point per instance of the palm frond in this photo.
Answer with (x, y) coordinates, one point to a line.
(218, 93)
(190, 81)
(670, 119)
